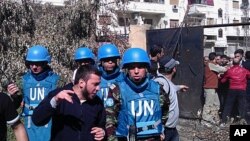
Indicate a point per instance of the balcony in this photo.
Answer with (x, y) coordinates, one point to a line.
(151, 1)
(147, 6)
(202, 2)
(54, 2)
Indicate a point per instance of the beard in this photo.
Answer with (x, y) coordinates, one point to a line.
(86, 94)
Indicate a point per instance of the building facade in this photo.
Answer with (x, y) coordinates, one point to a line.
(179, 13)
(116, 16)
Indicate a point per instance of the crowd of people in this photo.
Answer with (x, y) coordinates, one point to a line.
(113, 97)
(118, 97)
(226, 88)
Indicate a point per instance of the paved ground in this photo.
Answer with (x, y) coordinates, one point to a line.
(193, 130)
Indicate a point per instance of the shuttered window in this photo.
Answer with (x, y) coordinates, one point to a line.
(236, 4)
(174, 2)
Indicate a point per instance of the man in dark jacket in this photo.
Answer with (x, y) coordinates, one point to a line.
(246, 64)
(156, 52)
(77, 114)
(9, 116)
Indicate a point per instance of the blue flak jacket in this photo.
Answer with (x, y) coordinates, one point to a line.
(107, 80)
(34, 92)
(140, 107)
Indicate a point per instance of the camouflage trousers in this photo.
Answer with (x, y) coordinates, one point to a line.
(211, 107)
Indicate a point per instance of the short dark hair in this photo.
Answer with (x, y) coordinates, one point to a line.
(224, 56)
(84, 72)
(211, 56)
(247, 55)
(240, 51)
(165, 71)
(218, 55)
(155, 49)
(90, 60)
(153, 68)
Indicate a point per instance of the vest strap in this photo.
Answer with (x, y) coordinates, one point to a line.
(149, 127)
(29, 107)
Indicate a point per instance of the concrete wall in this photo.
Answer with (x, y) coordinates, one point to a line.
(137, 36)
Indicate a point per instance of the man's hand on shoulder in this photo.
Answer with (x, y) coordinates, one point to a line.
(64, 95)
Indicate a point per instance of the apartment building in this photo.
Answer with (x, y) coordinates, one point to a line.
(225, 39)
(117, 16)
(178, 13)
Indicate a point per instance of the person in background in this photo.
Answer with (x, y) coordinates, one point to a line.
(77, 113)
(246, 65)
(218, 60)
(83, 56)
(237, 77)
(223, 87)
(166, 73)
(9, 116)
(224, 60)
(36, 83)
(231, 57)
(239, 53)
(108, 56)
(156, 52)
(205, 59)
(211, 107)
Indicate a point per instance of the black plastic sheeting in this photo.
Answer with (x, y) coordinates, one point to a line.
(185, 45)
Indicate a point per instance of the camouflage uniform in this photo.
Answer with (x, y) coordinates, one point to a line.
(165, 102)
(112, 112)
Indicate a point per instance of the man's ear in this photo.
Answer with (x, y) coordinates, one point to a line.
(81, 83)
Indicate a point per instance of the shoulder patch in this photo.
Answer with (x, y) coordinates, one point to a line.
(112, 86)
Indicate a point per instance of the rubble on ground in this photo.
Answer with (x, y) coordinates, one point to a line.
(193, 130)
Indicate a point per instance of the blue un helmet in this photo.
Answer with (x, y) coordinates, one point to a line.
(107, 51)
(84, 53)
(135, 55)
(38, 53)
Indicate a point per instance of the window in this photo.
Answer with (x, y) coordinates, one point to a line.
(236, 4)
(220, 13)
(235, 21)
(209, 37)
(244, 4)
(210, 21)
(148, 21)
(220, 33)
(206, 2)
(174, 2)
(104, 20)
(219, 50)
(174, 23)
(121, 21)
(245, 20)
(154, 1)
